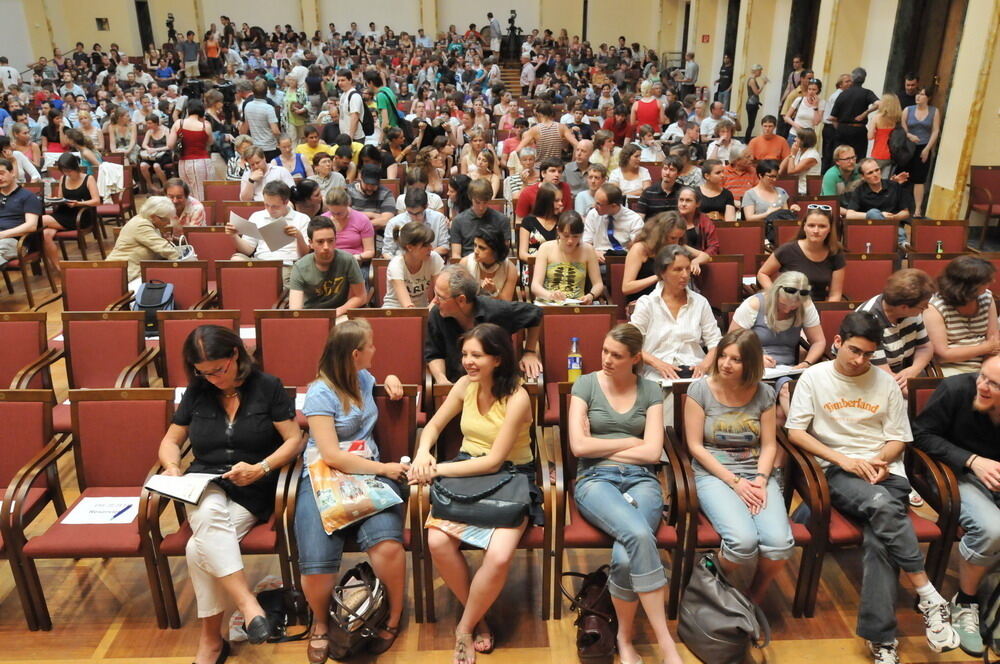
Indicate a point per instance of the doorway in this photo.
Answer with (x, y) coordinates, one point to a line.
(145, 24)
(802, 24)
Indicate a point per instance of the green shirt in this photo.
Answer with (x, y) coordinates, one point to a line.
(834, 183)
(385, 100)
(327, 289)
(293, 119)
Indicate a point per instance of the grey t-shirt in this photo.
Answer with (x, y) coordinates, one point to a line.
(326, 289)
(732, 433)
(605, 421)
(259, 116)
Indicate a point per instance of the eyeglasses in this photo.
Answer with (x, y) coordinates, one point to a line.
(863, 353)
(771, 176)
(217, 372)
(817, 206)
(804, 292)
(990, 383)
(851, 158)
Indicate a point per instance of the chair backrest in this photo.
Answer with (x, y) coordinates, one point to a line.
(919, 391)
(221, 190)
(450, 440)
(396, 426)
(100, 345)
(740, 237)
(721, 281)
(392, 185)
(870, 236)
(616, 277)
(190, 279)
(590, 324)
(380, 267)
(931, 263)
(985, 177)
(785, 230)
(211, 244)
(248, 285)
(24, 339)
(865, 274)
(399, 340)
(831, 315)
(174, 327)
(655, 169)
(27, 428)
(106, 423)
(241, 208)
(93, 285)
(814, 185)
(290, 342)
(953, 234)
(790, 185)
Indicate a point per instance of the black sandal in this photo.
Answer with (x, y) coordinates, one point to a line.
(379, 644)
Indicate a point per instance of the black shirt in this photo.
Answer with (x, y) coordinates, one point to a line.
(950, 430)
(725, 77)
(218, 444)
(443, 333)
(851, 103)
(465, 225)
(20, 202)
(653, 200)
(892, 198)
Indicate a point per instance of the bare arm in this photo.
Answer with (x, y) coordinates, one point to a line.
(586, 446)
(634, 259)
(296, 298)
(768, 271)
(357, 298)
(836, 285)
(402, 295)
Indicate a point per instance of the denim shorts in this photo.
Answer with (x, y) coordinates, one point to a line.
(320, 553)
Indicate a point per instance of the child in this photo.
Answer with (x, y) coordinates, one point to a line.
(411, 274)
(652, 149)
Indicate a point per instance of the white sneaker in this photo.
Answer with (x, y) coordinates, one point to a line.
(941, 636)
(915, 499)
(884, 653)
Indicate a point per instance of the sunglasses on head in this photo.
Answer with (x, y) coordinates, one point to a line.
(804, 292)
(817, 206)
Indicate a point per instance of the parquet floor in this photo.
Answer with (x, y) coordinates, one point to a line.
(102, 610)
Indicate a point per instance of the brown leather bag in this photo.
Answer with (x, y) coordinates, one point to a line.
(596, 622)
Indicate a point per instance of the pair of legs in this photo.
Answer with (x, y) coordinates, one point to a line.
(477, 593)
(878, 215)
(51, 227)
(637, 575)
(150, 169)
(214, 563)
(980, 546)
(745, 535)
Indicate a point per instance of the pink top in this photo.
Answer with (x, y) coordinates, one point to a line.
(358, 227)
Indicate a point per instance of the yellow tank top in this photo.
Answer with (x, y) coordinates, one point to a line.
(479, 431)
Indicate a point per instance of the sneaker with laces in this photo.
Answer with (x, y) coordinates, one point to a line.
(965, 621)
(941, 636)
(884, 653)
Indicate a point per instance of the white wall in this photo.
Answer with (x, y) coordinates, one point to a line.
(878, 39)
(463, 12)
(14, 35)
(265, 13)
(400, 16)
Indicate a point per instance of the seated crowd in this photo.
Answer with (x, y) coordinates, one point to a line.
(404, 154)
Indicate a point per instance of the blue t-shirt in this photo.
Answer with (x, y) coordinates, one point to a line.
(20, 202)
(352, 425)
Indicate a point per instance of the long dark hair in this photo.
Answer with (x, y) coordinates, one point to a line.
(496, 342)
(962, 278)
(208, 343)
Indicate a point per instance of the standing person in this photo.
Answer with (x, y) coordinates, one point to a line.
(547, 136)
(959, 426)
(886, 120)
(528, 75)
(616, 431)
(850, 111)
(724, 84)
(829, 135)
(689, 77)
(260, 120)
(326, 277)
(647, 109)
(495, 421)
(806, 112)
(922, 123)
(495, 33)
(194, 164)
(411, 273)
(852, 417)
(240, 422)
(755, 89)
(190, 50)
(730, 428)
(341, 409)
(816, 253)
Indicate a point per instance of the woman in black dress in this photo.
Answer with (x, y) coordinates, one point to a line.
(79, 190)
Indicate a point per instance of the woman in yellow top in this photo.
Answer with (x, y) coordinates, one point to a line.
(563, 265)
(496, 422)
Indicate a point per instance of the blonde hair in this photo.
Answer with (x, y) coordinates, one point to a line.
(645, 88)
(336, 365)
(157, 206)
(889, 111)
(790, 279)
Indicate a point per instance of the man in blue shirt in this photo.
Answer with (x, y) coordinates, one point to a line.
(20, 211)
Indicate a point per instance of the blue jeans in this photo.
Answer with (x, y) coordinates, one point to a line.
(635, 561)
(744, 535)
(320, 553)
(877, 215)
(980, 517)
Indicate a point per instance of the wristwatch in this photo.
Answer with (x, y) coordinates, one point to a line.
(265, 466)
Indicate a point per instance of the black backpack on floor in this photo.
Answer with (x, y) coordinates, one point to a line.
(153, 296)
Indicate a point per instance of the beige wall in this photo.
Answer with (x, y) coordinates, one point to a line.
(985, 151)
(398, 15)
(462, 12)
(556, 14)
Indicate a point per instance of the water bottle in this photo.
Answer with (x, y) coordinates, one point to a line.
(940, 247)
(574, 361)
(47, 188)
(868, 247)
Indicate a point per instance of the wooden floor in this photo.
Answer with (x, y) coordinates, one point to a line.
(102, 610)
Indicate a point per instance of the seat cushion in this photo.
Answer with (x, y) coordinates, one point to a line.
(89, 540)
(62, 418)
(261, 539)
(709, 538)
(580, 534)
(848, 532)
(112, 210)
(34, 501)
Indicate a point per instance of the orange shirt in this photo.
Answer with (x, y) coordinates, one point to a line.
(768, 147)
(738, 183)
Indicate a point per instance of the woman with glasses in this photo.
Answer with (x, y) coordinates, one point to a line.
(961, 320)
(764, 198)
(241, 424)
(816, 253)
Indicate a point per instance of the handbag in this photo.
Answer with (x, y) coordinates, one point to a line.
(282, 608)
(358, 610)
(717, 622)
(185, 250)
(496, 500)
(596, 622)
(343, 499)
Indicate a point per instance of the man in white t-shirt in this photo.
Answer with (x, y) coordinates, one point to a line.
(276, 208)
(9, 76)
(260, 173)
(852, 417)
(351, 106)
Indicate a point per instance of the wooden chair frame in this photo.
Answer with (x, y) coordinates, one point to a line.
(25, 258)
(209, 295)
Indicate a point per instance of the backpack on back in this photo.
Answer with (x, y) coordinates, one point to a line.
(367, 119)
(153, 296)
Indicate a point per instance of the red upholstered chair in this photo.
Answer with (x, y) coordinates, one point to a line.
(290, 343)
(865, 274)
(613, 285)
(396, 436)
(805, 202)
(572, 531)
(740, 237)
(106, 422)
(984, 195)
(29, 258)
(655, 169)
(241, 208)
(24, 345)
(392, 186)
(786, 231)
(814, 185)
(590, 324)
(221, 190)
(953, 234)
(249, 285)
(86, 224)
(122, 204)
(27, 441)
(831, 315)
(534, 537)
(190, 280)
(380, 268)
(211, 244)
(721, 282)
(95, 285)
(870, 236)
(790, 185)
(175, 326)
(931, 263)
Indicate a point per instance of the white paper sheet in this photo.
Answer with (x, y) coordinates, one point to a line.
(105, 511)
(272, 234)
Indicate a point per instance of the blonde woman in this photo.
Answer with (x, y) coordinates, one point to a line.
(141, 238)
(90, 130)
(888, 118)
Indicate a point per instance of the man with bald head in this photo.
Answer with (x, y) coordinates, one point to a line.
(575, 173)
(960, 426)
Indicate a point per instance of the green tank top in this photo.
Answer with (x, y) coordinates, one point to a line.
(569, 278)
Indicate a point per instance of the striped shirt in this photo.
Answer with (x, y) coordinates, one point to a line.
(899, 340)
(964, 330)
(549, 143)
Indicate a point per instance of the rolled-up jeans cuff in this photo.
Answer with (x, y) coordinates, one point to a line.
(975, 558)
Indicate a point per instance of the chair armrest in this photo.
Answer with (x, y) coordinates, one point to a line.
(24, 377)
(936, 482)
(974, 190)
(121, 304)
(11, 510)
(810, 482)
(933, 370)
(684, 499)
(128, 375)
(206, 301)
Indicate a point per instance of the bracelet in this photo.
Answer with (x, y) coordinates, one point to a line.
(807, 362)
(761, 475)
(736, 480)
(971, 460)
(265, 466)
(526, 350)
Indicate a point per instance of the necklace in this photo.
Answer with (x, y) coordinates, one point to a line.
(231, 395)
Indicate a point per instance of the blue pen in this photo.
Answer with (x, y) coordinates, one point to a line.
(121, 511)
